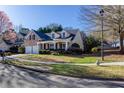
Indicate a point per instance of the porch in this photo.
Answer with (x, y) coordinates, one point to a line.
(53, 45)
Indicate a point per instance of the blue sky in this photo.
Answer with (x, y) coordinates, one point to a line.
(34, 17)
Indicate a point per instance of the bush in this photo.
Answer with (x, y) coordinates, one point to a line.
(21, 49)
(90, 42)
(55, 52)
(14, 49)
(75, 51)
(44, 52)
(69, 51)
(95, 50)
(7, 53)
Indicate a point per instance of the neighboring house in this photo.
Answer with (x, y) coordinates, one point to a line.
(5, 45)
(11, 38)
(63, 40)
(21, 36)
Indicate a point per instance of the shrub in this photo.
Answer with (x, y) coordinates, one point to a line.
(44, 52)
(58, 52)
(14, 49)
(69, 51)
(75, 51)
(95, 50)
(55, 52)
(90, 42)
(7, 53)
(21, 49)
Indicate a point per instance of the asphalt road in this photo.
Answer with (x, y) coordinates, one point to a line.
(11, 76)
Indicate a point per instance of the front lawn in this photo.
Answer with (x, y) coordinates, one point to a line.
(59, 58)
(105, 72)
(115, 57)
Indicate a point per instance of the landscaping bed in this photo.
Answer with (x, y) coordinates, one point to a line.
(101, 72)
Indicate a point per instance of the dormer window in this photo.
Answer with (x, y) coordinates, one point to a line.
(63, 35)
(53, 35)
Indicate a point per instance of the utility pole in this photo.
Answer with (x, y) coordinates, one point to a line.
(102, 44)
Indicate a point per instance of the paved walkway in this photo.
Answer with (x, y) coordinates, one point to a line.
(113, 63)
(11, 76)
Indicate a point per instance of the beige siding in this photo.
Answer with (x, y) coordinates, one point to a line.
(78, 40)
(28, 42)
(56, 35)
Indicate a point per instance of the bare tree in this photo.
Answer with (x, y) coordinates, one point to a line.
(113, 19)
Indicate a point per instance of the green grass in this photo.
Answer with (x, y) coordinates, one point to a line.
(105, 72)
(60, 58)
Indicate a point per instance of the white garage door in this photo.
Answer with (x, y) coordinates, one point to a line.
(28, 49)
(35, 50)
(32, 50)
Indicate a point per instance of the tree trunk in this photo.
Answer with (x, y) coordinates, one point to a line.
(121, 44)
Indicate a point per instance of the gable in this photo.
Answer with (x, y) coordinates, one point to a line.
(66, 34)
(32, 33)
(55, 34)
(78, 39)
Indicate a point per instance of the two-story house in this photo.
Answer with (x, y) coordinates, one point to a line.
(63, 40)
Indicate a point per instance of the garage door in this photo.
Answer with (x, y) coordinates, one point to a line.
(35, 50)
(28, 49)
(32, 50)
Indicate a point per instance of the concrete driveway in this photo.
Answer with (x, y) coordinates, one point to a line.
(11, 76)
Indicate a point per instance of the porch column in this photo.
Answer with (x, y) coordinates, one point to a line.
(54, 45)
(46, 46)
(42, 45)
(66, 45)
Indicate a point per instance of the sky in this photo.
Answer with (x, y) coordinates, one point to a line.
(36, 16)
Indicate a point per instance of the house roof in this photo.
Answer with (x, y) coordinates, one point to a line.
(23, 34)
(46, 36)
(43, 36)
(72, 31)
(6, 42)
(72, 34)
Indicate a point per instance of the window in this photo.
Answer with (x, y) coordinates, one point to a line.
(63, 46)
(53, 35)
(33, 37)
(30, 37)
(63, 35)
(41, 46)
(51, 46)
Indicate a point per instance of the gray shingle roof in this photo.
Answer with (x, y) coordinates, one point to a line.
(72, 31)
